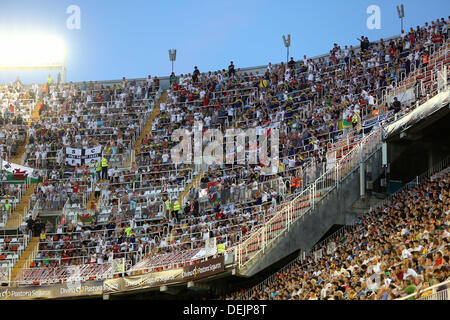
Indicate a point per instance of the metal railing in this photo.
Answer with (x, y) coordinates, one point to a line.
(8, 216)
(437, 168)
(304, 203)
(431, 293)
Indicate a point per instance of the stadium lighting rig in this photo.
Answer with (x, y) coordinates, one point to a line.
(287, 44)
(32, 52)
(172, 56)
(401, 13)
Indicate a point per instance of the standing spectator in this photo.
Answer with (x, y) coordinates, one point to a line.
(104, 168)
(291, 64)
(231, 70)
(396, 105)
(156, 83)
(49, 82)
(195, 75)
(172, 79)
(30, 224)
(97, 191)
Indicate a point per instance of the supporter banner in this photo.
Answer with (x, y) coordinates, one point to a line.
(73, 156)
(210, 247)
(18, 172)
(4, 275)
(310, 172)
(406, 97)
(203, 193)
(83, 156)
(331, 159)
(148, 280)
(317, 255)
(204, 269)
(92, 154)
(65, 290)
(331, 247)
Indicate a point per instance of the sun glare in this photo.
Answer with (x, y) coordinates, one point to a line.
(31, 51)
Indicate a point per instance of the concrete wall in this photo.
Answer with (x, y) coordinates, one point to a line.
(336, 208)
(423, 146)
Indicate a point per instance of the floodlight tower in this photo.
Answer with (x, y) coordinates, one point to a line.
(172, 56)
(64, 79)
(287, 44)
(401, 13)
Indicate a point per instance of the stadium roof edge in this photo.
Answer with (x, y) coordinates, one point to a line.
(164, 80)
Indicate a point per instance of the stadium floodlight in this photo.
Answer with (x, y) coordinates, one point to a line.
(401, 13)
(32, 52)
(287, 44)
(172, 56)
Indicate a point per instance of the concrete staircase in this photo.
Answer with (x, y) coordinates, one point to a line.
(27, 257)
(147, 128)
(339, 205)
(17, 215)
(19, 157)
(195, 182)
(91, 201)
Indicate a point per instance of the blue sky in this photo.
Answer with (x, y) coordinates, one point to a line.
(131, 38)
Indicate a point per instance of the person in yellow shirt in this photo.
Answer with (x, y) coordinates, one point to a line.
(280, 167)
(221, 248)
(104, 163)
(49, 82)
(42, 236)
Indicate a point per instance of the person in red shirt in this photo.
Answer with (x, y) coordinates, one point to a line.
(438, 259)
(244, 229)
(437, 38)
(206, 101)
(76, 187)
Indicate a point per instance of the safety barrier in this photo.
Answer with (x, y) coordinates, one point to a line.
(440, 291)
(305, 202)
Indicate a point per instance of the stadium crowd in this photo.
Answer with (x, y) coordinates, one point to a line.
(394, 251)
(309, 102)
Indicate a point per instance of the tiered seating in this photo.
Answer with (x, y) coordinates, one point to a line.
(306, 102)
(86, 117)
(86, 272)
(396, 250)
(11, 248)
(16, 104)
(9, 200)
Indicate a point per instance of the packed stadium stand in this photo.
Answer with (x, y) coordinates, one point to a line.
(97, 156)
(404, 245)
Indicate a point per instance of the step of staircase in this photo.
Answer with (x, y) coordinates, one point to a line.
(28, 255)
(148, 127)
(183, 196)
(16, 218)
(19, 158)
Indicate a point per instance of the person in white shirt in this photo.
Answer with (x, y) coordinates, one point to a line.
(406, 254)
(408, 271)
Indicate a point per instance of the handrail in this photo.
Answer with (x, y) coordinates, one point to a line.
(433, 288)
(436, 168)
(291, 214)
